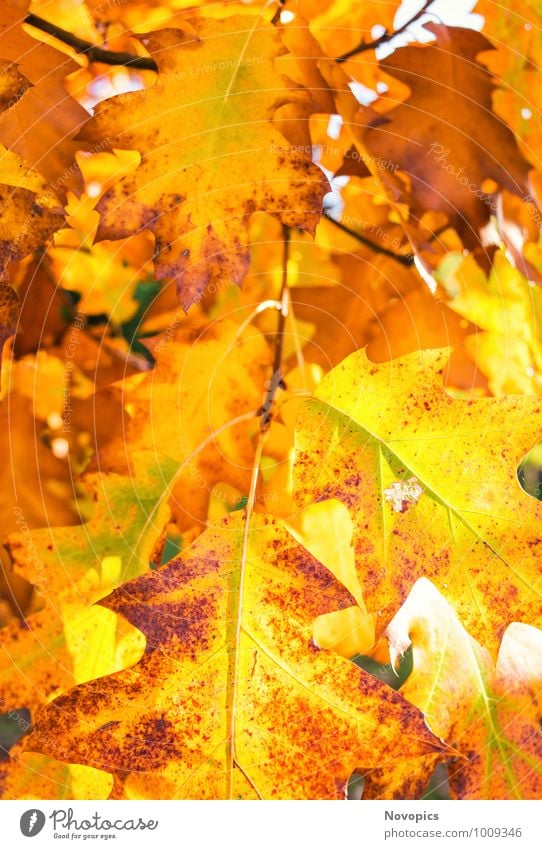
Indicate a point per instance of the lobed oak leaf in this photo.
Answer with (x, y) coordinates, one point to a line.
(372, 430)
(508, 311)
(205, 377)
(39, 124)
(29, 213)
(26, 775)
(71, 568)
(445, 137)
(490, 712)
(232, 699)
(211, 155)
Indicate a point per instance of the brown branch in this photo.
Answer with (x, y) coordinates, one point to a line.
(386, 36)
(93, 52)
(276, 382)
(276, 17)
(404, 259)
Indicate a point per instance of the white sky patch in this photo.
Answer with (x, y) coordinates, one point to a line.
(453, 12)
(403, 494)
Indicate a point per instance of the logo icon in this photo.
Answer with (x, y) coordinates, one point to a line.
(32, 822)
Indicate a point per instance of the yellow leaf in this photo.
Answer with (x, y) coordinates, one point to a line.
(232, 698)
(431, 486)
(490, 712)
(205, 170)
(30, 213)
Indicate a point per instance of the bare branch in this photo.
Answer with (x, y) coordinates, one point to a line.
(93, 52)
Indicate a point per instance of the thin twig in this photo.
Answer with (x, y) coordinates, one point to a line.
(276, 17)
(404, 259)
(385, 37)
(93, 52)
(276, 382)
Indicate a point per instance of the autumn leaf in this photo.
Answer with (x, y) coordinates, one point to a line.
(42, 119)
(29, 213)
(491, 712)
(319, 518)
(210, 378)
(508, 310)
(71, 568)
(207, 162)
(431, 486)
(232, 698)
(9, 309)
(447, 160)
(26, 775)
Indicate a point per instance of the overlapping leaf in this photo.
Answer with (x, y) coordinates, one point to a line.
(490, 712)
(30, 212)
(206, 376)
(208, 160)
(445, 137)
(431, 485)
(232, 698)
(71, 568)
(41, 118)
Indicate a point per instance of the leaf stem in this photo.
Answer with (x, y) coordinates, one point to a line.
(276, 382)
(404, 259)
(93, 52)
(385, 37)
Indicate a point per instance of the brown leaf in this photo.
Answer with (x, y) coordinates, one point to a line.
(445, 137)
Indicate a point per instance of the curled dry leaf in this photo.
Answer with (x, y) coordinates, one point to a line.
(232, 699)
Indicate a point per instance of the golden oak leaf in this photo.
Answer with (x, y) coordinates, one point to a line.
(447, 162)
(490, 712)
(508, 311)
(205, 377)
(26, 775)
(232, 699)
(29, 213)
(211, 155)
(515, 60)
(12, 86)
(431, 485)
(40, 126)
(341, 25)
(71, 568)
